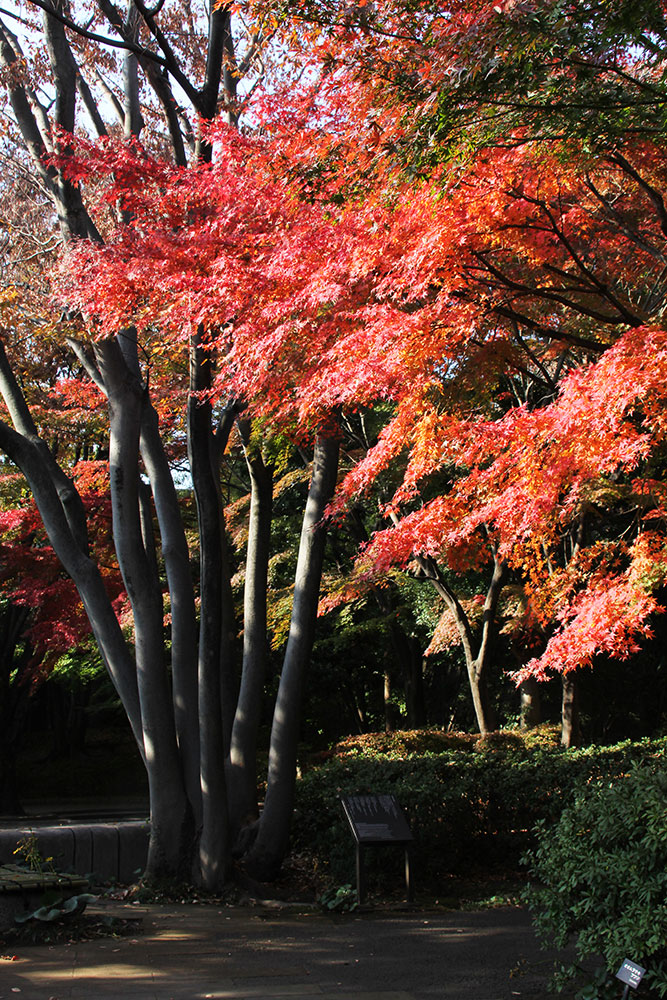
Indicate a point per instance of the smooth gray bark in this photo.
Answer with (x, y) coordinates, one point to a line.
(272, 840)
(72, 215)
(214, 845)
(174, 548)
(133, 121)
(140, 676)
(176, 557)
(184, 728)
(242, 766)
(171, 818)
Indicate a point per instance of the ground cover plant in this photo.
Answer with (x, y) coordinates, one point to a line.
(85, 927)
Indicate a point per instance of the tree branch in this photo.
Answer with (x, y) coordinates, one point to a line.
(45, 5)
(654, 195)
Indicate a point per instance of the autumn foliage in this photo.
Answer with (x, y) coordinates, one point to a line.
(507, 306)
(452, 214)
(32, 576)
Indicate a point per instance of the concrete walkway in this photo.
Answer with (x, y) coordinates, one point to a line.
(203, 952)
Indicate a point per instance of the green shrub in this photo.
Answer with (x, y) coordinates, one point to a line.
(601, 874)
(472, 804)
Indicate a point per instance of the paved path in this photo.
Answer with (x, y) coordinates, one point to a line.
(202, 952)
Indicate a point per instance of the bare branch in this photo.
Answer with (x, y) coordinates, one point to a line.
(93, 36)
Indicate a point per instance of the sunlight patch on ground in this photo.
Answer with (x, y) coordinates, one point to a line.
(170, 935)
(98, 971)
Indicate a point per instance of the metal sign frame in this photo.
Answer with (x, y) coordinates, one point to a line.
(377, 821)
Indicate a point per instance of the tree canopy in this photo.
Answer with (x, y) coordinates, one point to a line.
(449, 217)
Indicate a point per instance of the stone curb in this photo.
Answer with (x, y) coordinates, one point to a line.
(103, 851)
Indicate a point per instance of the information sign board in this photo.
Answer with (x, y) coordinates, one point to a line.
(376, 819)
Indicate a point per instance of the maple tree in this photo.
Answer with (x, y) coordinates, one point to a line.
(535, 472)
(503, 297)
(178, 689)
(433, 82)
(232, 222)
(527, 462)
(531, 130)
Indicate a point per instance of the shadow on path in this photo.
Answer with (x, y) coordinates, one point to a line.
(203, 952)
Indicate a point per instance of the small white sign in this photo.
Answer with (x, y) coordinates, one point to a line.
(630, 973)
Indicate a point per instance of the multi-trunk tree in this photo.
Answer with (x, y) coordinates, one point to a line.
(507, 303)
(193, 718)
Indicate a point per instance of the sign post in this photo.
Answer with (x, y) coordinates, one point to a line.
(377, 821)
(631, 974)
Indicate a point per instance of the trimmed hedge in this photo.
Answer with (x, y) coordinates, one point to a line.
(472, 805)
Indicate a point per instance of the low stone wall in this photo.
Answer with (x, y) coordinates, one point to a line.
(101, 851)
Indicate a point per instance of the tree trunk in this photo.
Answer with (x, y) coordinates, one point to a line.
(242, 770)
(477, 665)
(531, 703)
(570, 734)
(184, 728)
(176, 558)
(270, 847)
(74, 220)
(214, 846)
(141, 682)
(185, 770)
(171, 839)
(484, 713)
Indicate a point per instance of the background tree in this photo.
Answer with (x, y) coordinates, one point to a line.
(562, 158)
